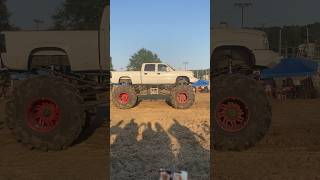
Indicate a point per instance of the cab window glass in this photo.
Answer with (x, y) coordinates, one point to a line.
(150, 67)
(162, 68)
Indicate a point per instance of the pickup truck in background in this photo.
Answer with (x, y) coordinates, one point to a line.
(153, 73)
(154, 81)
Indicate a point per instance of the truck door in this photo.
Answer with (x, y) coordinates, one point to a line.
(166, 74)
(149, 74)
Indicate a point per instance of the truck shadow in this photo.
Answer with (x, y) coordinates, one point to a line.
(192, 157)
(140, 155)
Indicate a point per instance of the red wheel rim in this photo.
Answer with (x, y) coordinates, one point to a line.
(43, 115)
(182, 97)
(123, 98)
(232, 114)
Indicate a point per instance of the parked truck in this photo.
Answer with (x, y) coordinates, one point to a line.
(154, 81)
(241, 112)
(53, 81)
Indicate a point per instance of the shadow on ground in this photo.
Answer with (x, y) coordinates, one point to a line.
(136, 155)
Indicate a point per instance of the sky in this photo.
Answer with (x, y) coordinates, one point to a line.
(177, 30)
(267, 12)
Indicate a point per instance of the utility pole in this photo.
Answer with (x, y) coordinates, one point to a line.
(242, 5)
(185, 65)
(308, 43)
(280, 41)
(38, 22)
(308, 35)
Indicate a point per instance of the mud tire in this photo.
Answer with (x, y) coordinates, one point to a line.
(127, 102)
(67, 98)
(259, 116)
(188, 94)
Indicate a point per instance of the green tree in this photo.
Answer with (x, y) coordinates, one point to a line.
(4, 16)
(292, 36)
(142, 56)
(79, 15)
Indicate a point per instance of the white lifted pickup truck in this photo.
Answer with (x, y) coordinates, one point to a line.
(153, 73)
(154, 81)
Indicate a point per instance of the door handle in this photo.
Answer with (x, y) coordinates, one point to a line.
(145, 73)
(158, 73)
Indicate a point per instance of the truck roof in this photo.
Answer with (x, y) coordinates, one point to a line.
(239, 30)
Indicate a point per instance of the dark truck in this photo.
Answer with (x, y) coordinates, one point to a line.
(53, 82)
(241, 112)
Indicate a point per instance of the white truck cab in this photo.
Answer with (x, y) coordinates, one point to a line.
(153, 73)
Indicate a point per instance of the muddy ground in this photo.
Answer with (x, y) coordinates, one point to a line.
(153, 135)
(85, 160)
(290, 151)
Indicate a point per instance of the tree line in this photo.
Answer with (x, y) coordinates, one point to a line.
(70, 15)
(292, 36)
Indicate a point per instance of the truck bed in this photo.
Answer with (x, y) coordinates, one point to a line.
(81, 47)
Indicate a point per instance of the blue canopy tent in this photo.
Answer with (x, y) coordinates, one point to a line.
(200, 83)
(291, 67)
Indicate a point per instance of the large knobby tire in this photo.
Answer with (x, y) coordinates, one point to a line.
(124, 97)
(4, 83)
(241, 112)
(182, 97)
(182, 81)
(46, 113)
(4, 86)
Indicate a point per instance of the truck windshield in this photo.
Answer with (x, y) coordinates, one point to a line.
(171, 67)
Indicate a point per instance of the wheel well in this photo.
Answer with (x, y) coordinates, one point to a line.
(185, 77)
(240, 54)
(125, 79)
(47, 56)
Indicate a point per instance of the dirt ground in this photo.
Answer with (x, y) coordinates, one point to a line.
(290, 151)
(153, 135)
(85, 160)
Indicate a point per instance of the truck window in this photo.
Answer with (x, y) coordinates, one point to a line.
(162, 68)
(150, 67)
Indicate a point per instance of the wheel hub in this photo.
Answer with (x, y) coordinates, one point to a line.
(182, 97)
(123, 98)
(43, 115)
(232, 114)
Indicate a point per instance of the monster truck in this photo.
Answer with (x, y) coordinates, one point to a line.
(241, 112)
(53, 80)
(154, 81)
